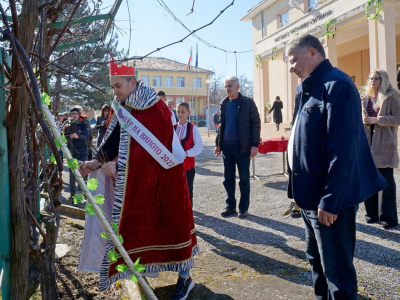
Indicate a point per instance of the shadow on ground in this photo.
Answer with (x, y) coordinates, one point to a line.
(199, 292)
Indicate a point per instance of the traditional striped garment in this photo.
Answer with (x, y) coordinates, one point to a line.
(141, 99)
(370, 107)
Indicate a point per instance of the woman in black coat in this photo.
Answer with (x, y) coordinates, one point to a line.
(277, 108)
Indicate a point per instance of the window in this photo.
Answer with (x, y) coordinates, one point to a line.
(284, 19)
(197, 82)
(312, 4)
(145, 80)
(192, 106)
(168, 81)
(180, 82)
(180, 99)
(157, 81)
(263, 26)
(170, 98)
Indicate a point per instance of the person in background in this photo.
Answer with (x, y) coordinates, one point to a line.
(85, 119)
(217, 120)
(277, 108)
(191, 142)
(330, 166)
(77, 134)
(237, 139)
(398, 78)
(381, 116)
(162, 95)
(101, 123)
(172, 109)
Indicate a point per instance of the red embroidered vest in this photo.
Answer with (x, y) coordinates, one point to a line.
(187, 143)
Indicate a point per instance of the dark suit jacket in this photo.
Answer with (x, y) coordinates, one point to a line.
(332, 162)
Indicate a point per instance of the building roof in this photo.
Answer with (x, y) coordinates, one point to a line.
(163, 64)
(263, 4)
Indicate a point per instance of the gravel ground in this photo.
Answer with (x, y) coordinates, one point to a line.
(262, 257)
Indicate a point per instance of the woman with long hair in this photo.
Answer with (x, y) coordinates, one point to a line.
(381, 117)
(101, 123)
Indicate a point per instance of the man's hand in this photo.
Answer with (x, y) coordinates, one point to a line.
(89, 167)
(253, 152)
(92, 164)
(74, 136)
(326, 218)
(110, 168)
(370, 120)
(217, 151)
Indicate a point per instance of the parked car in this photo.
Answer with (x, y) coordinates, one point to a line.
(201, 121)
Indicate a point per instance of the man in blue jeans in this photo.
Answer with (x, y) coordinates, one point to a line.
(331, 169)
(237, 140)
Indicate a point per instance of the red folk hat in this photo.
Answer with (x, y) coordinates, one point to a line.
(118, 69)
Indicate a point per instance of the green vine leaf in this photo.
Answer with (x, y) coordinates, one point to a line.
(73, 164)
(121, 240)
(114, 226)
(104, 235)
(257, 60)
(99, 199)
(78, 198)
(92, 184)
(122, 268)
(112, 255)
(58, 143)
(63, 138)
(90, 209)
(274, 53)
(45, 99)
(379, 9)
(138, 266)
(53, 159)
(133, 278)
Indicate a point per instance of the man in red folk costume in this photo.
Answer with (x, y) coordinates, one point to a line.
(152, 204)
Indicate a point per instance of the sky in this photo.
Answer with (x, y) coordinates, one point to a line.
(153, 27)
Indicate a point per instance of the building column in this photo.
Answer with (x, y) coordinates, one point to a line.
(382, 41)
(331, 51)
(293, 82)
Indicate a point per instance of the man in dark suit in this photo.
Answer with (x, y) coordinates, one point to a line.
(331, 169)
(237, 139)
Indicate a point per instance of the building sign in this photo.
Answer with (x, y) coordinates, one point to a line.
(304, 25)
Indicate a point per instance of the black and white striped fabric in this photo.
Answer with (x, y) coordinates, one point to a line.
(144, 97)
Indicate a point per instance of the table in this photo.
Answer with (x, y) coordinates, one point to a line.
(273, 145)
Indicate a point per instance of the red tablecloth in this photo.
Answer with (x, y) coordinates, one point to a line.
(273, 145)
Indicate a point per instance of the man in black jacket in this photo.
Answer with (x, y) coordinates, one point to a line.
(77, 134)
(238, 139)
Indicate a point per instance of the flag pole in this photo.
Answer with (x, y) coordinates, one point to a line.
(195, 101)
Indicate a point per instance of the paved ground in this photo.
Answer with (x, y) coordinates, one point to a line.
(262, 257)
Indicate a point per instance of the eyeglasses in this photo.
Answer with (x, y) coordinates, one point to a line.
(374, 78)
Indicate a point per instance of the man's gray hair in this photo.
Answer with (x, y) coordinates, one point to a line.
(232, 78)
(305, 41)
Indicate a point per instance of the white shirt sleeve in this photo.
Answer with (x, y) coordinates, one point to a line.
(173, 120)
(198, 143)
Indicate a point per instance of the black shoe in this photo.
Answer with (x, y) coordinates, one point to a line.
(228, 212)
(296, 213)
(370, 220)
(386, 225)
(183, 288)
(243, 214)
